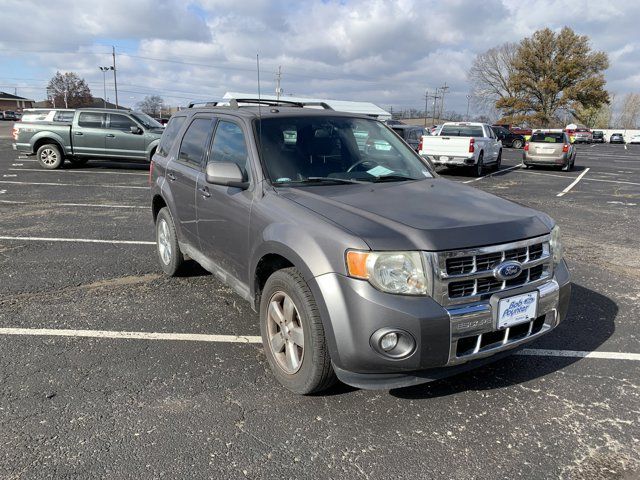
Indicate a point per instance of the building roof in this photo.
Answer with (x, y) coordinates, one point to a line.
(362, 108)
(8, 96)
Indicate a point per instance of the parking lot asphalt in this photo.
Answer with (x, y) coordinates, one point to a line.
(190, 407)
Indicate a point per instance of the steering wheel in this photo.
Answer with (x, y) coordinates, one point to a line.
(361, 162)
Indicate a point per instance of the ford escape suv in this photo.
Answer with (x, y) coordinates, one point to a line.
(362, 262)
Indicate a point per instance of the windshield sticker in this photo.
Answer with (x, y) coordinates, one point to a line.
(283, 179)
(379, 171)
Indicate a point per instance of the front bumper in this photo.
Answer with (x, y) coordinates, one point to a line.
(353, 310)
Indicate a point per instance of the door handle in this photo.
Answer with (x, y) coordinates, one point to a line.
(171, 176)
(110, 135)
(78, 133)
(204, 191)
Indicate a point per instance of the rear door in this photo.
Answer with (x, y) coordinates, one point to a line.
(120, 141)
(223, 212)
(183, 174)
(88, 134)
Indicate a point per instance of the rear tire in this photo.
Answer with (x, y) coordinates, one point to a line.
(289, 316)
(517, 143)
(479, 168)
(568, 166)
(498, 161)
(50, 156)
(169, 254)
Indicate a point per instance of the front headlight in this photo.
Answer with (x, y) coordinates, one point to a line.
(556, 245)
(391, 272)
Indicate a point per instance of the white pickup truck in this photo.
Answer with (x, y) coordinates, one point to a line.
(463, 144)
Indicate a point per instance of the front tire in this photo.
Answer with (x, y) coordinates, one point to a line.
(293, 334)
(517, 144)
(169, 254)
(50, 156)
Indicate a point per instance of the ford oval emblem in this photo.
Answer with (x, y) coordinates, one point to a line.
(507, 270)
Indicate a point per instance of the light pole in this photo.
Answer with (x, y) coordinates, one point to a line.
(104, 71)
(468, 100)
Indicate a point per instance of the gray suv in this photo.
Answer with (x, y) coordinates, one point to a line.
(362, 262)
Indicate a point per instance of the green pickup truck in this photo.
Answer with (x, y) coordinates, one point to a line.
(92, 133)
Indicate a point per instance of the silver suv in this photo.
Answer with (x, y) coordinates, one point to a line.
(362, 263)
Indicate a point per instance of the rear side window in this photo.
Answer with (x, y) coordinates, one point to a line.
(461, 131)
(194, 142)
(548, 137)
(91, 120)
(169, 135)
(229, 145)
(64, 117)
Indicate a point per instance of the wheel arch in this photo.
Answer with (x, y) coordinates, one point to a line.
(46, 141)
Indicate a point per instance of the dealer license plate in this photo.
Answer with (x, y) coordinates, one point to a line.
(517, 309)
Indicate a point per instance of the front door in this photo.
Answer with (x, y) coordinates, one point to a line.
(120, 141)
(183, 174)
(88, 136)
(223, 212)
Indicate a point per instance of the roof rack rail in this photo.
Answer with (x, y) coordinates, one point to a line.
(203, 104)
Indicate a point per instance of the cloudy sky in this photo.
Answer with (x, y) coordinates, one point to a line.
(387, 52)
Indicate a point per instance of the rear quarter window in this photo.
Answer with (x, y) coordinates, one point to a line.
(169, 135)
(461, 131)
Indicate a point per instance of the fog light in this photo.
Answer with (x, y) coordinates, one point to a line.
(389, 341)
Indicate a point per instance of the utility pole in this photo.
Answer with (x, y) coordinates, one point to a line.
(435, 97)
(426, 106)
(443, 89)
(115, 81)
(468, 100)
(278, 77)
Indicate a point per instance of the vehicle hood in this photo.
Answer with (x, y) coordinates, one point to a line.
(433, 214)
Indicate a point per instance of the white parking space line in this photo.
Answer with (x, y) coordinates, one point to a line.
(199, 337)
(493, 173)
(9, 175)
(73, 185)
(76, 171)
(573, 184)
(190, 337)
(580, 354)
(90, 205)
(589, 179)
(77, 240)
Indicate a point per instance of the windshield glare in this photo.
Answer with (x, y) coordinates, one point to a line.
(146, 120)
(308, 149)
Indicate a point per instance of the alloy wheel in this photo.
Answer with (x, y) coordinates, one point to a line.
(48, 156)
(285, 331)
(164, 245)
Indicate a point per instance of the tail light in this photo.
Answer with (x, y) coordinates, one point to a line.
(14, 133)
(526, 147)
(151, 172)
(472, 146)
(565, 148)
(420, 145)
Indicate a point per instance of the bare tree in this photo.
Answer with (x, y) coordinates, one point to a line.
(151, 105)
(629, 114)
(489, 76)
(68, 90)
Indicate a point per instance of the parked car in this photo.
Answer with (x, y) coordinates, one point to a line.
(635, 139)
(410, 134)
(463, 144)
(616, 138)
(508, 138)
(92, 133)
(582, 135)
(391, 121)
(362, 262)
(597, 136)
(9, 115)
(549, 149)
(1, 115)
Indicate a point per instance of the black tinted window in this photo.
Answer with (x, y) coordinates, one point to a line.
(461, 131)
(229, 145)
(121, 122)
(548, 137)
(169, 135)
(194, 142)
(91, 120)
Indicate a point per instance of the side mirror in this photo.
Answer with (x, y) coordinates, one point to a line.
(136, 130)
(227, 174)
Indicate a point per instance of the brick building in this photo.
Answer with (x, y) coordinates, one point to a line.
(14, 102)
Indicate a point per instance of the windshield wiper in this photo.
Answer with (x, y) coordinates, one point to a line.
(330, 179)
(392, 178)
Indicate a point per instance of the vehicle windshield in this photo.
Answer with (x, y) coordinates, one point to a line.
(547, 137)
(461, 131)
(342, 150)
(146, 120)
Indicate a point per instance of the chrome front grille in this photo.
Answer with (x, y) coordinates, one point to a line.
(465, 276)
